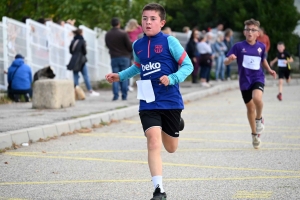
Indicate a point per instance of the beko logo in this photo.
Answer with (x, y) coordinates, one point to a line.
(154, 67)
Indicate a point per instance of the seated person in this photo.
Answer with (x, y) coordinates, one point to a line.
(19, 78)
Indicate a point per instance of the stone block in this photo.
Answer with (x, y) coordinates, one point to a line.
(50, 131)
(5, 141)
(62, 127)
(74, 125)
(19, 137)
(51, 93)
(35, 134)
(85, 122)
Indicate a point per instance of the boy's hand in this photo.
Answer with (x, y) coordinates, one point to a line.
(232, 57)
(164, 80)
(273, 73)
(112, 77)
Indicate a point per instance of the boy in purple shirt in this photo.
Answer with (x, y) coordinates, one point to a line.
(250, 56)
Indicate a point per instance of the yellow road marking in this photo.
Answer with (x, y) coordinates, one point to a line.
(292, 137)
(277, 128)
(253, 195)
(145, 162)
(148, 180)
(187, 139)
(137, 151)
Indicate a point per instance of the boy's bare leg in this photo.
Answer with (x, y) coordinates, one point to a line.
(170, 143)
(154, 150)
(280, 85)
(251, 114)
(257, 100)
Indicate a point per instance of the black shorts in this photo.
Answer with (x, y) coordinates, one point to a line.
(247, 94)
(167, 120)
(284, 72)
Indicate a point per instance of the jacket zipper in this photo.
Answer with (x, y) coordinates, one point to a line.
(149, 48)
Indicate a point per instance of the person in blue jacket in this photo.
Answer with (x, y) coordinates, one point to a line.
(156, 58)
(19, 78)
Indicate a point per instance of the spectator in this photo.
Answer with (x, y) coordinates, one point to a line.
(120, 50)
(191, 50)
(133, 29)
(228, 41)
(168, 30)
(205, 60)
(220, 49)
(19, 79)
(78, 61)
(264, 38)
(209, 39)
(187, 31)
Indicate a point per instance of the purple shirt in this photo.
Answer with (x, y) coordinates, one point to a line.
(249, 60)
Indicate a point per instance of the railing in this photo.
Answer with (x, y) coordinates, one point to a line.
(44, 45)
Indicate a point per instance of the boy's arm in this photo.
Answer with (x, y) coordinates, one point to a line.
(183, 60)
(231, 55)
(229, 59)
(132, 70)
(267, 67)
(273, 61)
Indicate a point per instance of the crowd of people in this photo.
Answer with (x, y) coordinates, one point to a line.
(208, 49)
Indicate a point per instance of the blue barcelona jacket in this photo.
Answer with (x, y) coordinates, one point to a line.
(157, 56)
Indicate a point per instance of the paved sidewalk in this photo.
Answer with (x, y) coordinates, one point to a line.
(20, 123)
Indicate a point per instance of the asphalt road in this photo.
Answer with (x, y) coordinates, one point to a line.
(215, 158)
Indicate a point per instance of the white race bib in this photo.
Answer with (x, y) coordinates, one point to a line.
(251, 62)
(281, 63)
(145, 90)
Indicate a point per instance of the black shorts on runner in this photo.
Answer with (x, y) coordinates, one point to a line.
(167, 120)
(247, 94)
(284, 72)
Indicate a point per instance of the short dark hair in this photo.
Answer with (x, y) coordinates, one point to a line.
(115, 22)
(77, 31)
(252, 22)
(158, 8)
(280, 43)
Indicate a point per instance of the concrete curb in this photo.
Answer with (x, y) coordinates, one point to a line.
(57, 129)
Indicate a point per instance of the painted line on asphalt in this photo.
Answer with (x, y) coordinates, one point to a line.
(146, 162)
(138, 151)
(148, 180)
(292, 137)
(252, 194)
(8, 198)
(187, 139)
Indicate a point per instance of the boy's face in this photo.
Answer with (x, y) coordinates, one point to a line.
(251, 32)
(280, 47)
(151, 22)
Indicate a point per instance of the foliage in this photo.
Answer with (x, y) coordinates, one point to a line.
(278, 17)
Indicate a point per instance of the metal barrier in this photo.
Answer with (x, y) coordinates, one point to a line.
(44, 45)
(2, 65)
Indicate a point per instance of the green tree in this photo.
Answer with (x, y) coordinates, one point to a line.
(279, 18)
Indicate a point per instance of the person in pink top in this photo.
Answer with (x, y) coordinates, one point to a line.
(133, 29)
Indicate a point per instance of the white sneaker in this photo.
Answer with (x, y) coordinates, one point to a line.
(131, 89)
(205, 84)
(94, 94)
(256, 141)
(259, 125)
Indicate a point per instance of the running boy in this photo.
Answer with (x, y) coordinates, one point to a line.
(283, 60)
(250, 55)
(156, 59)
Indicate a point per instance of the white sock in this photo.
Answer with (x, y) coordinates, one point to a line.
(157, 180)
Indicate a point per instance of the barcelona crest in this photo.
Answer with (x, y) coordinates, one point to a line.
(158, 48)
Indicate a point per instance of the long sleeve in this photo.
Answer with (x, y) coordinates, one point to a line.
(183, 60)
